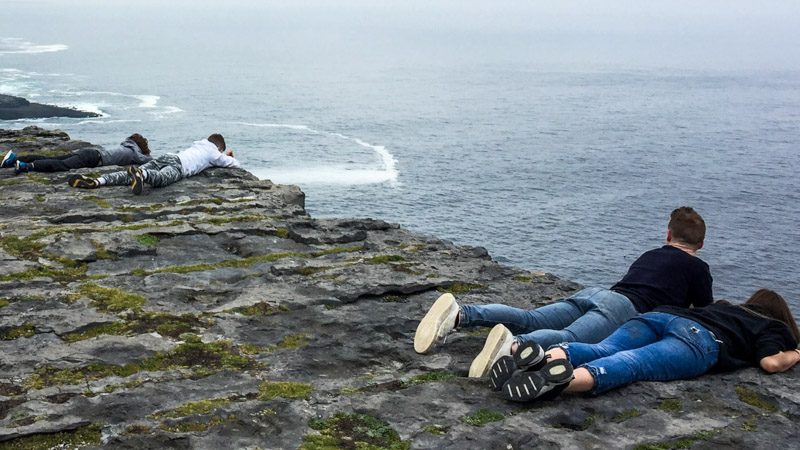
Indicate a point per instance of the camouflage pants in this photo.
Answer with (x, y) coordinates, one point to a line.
(162, 171)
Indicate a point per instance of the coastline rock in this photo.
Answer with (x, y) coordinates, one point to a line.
(216, 313)
(13, 108)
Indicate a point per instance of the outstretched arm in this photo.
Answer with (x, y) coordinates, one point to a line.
(781, 361)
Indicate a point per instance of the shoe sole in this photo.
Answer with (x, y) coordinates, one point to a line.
(78, 181)
(530, 356)
(428, 328)
(524, 386)
(501, 371)
(136, 187)
(6, 158)
(494, 342)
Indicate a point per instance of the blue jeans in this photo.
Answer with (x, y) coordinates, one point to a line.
(653, 347)
(589, 316)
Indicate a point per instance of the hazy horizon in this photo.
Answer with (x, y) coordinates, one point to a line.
(722, 35)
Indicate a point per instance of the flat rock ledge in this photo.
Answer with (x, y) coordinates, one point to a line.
(13, 108)
(215, 313)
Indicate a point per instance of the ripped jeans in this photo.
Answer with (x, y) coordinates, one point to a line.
(652, 347)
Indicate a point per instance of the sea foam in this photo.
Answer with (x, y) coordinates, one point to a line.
(10, 45)
(336, 174)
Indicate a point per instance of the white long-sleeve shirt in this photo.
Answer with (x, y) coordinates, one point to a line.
(202, 155)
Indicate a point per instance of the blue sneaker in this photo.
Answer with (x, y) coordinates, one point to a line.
(21, 167)
(9, 159)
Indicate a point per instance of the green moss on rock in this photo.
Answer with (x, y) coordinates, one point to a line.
(98, 201)
(109, 299)
(271, 389)
(431, 377)
(197, 427)
(25, 330)
(672, 405)
(191, 408)
(260, 308)
(148, 240)
(39, 179)
(312, 270)
(46, 271)
(435, 429)
(753, 399)
(202, 358)
(625, 415)
(460, 288)
(482, 417)
(145, 322)
(80, 437)
(680, 443)
(135, 430)
(352, 431)
(289, 342)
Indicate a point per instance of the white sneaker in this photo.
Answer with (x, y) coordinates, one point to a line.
(440, 320)
(498, 344)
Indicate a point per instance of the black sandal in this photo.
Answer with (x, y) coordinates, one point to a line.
(544, 384)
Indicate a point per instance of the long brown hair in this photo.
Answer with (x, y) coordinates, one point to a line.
(141, 142)
(774, 306)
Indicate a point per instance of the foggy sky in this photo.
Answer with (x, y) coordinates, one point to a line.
(732, 34)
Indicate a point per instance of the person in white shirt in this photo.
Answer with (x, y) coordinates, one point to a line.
(166, 169)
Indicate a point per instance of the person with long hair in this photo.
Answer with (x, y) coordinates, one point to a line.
(667, 344)
(133, 150)
(166, 169)
(668, 275)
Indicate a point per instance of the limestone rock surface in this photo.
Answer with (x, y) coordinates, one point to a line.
(216, 313)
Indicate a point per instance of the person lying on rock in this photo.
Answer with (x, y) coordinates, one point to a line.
(669, 275)
(165, 169)
(133, 150)
(670, 343)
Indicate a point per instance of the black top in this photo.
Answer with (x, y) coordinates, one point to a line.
(666, 276)
(746, 337)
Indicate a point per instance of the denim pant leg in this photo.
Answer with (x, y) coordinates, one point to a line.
(654, 347)
(166, 170)
(604, 312)
(555, 315)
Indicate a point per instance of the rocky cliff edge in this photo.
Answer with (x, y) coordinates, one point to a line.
(215, 313)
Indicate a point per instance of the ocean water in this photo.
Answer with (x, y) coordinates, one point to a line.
(569, 167)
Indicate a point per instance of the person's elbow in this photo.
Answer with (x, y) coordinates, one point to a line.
(771, 366)
(778, 363)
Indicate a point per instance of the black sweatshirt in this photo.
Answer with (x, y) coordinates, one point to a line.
(746, 337)
(666, 276)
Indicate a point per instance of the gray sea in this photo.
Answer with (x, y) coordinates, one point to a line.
(565, 165)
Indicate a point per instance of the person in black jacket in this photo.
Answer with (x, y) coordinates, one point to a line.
(669, 343)
(668, 275)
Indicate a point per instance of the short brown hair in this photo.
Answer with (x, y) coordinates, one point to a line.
(141, 142)
(217, 140)
(687, 226)
(771, 304)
